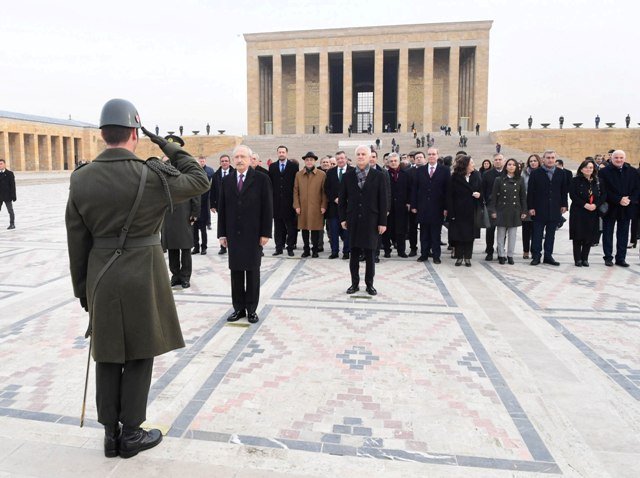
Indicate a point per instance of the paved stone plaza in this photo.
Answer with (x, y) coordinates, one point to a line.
(495, 370)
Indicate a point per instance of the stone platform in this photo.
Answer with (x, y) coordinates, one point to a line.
(493, 370)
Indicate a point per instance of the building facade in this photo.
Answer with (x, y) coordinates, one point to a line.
(324, 81)
(38, 143)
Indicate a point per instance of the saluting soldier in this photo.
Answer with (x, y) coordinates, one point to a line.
(114, 214)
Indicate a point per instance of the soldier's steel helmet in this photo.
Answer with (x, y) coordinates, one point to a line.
(119, 112)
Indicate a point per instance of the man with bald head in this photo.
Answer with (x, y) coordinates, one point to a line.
(619, 181)
(245, 212)
(362, 207)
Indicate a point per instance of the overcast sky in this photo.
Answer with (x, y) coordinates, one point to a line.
(184, 62)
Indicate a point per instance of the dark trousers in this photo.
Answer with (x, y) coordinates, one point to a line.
(430, 240)
(399, 237)
(285, 233)
(634, 229)
(122, 391)
(354, 265)
(527, 229)
(180, 263)
(622, 237)
(335, 234)
(581, 250)
(548, 230)
(413, 231)
(464, 249)
(245, 290)
(315, 240)
(490, 237)
(199, 227)
(12, 216)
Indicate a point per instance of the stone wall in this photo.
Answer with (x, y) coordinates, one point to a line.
(208, 146)
(574, 143)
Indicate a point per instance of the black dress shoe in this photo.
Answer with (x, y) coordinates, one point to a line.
(305, 254)
(501, 260)
(422, 259)
(134, 441)
(413, 252)
(237, 315)
(585, 263)
(371, 290)
(467, 262)
(403, 255)
(436, 260)
(510, 260)
(111, 441)
(489, 257)
(277, 253)
(196, 250)
(314, 255)
(535, 261)
(458, 262)
(345, 256)
(353, 289)
(387, 255)
(290, 252)
(223, 250)
(253, 318)
(333, 255)
(11, 226)
(175, 281)
(551, 261)
(578, 263)
(377, 259)
(203, 252)
(186, 284)
(622, 263)
(608, 262)
(321, 249)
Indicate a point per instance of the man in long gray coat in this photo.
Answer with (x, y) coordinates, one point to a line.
(114, 214)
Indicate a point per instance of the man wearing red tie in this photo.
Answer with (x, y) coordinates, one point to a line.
(245, 212)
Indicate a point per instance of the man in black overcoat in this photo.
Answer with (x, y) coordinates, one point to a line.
(429, 202)
(223, 171)
(547, 202)
(619, 181)
(7, 192)
(399, 208)
(203, 217)
(488, 178)
(412, 227)
(177, 238)
(245, 212)
(363, 212)
(335, 176)
(283, 176)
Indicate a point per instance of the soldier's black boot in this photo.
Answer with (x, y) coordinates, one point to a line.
(111, 438)
(135, 440)
(12, 226)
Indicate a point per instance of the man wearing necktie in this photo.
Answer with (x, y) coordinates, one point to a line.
(332, 189)
(245, 213)
(223, 171)
(283, 175)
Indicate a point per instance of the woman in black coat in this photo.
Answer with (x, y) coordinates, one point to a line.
(463, 207)
(586, 197)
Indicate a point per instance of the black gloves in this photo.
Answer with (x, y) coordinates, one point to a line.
(83, 304)
(159, 140)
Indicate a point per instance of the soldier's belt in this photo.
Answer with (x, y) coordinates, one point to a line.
(131, 242)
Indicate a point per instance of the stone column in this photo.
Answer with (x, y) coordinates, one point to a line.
(324, 91)
(18, 156)
(4, 148)
(454, 82)
(47, 151)
(36, 153)
(253, 94)
(378, 90)
(58, 153)
(403, 89)
(347, 90)
(300, 119)
(72, 153)
(427, 118)
(481, 85)
(277, 93)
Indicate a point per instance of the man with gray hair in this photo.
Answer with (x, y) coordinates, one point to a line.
(619, 181)
(363, 210)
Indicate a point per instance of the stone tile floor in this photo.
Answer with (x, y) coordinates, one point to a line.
(488, 371)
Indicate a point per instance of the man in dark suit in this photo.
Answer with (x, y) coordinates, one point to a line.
(373, 162)
(245, 212)
(283, 176)
(363, 212)
(223, 171)
(547, 202)
(334, 179)
(428, 201)
(399, 208)
(488, 178)
(620, 183)
(412, 228)
(256, 164)
(7, 192)
(568, 176)
(203, 216)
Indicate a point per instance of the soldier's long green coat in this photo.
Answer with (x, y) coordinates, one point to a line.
(132, 313)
